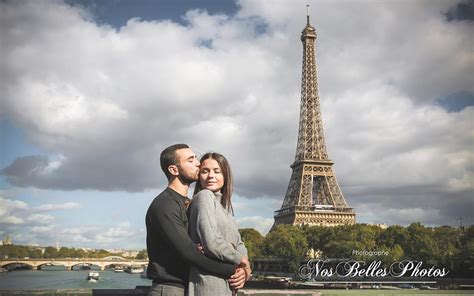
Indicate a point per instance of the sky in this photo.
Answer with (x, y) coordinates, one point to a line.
(92, 91)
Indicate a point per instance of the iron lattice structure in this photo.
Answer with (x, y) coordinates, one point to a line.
(313, 196)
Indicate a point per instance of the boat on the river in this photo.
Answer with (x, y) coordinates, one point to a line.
(134, 269)
(118, 269)
(93, 276)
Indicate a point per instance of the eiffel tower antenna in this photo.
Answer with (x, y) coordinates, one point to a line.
(307, 15)
(313, 196)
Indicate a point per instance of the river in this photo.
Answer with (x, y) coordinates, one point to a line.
(28, 279)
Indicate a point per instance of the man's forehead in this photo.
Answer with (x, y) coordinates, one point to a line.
(184, 153)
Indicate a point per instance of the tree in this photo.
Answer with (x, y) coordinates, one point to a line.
(318, 237)
(466, 266)
(65, 252)
(50, 252)
(98, 254)
(421, 245)
(390, 256)
(393, 235)
(143, 254)
(448, 240)
(367, 235)
(78, 253)
(253, 241)
(465, 258)
(22, 251)
(286, 242)
(341, 242)
(12, 251)
(35, 253)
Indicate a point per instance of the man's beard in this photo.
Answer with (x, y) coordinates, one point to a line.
(186, 179)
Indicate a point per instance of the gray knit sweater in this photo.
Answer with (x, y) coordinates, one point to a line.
(214, 227)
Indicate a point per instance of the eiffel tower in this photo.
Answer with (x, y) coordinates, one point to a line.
(313, 196)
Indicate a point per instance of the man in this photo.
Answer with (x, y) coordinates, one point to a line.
(170, 249)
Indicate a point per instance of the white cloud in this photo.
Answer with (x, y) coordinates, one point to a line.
(40, 218)
(11, 220)
(53, 207)
(259, 223)
(110, 105)
(42, 229)
(103, 236)
(8, 204)
(122, 230)
(93, 235)
(10, 210)
(402, 216)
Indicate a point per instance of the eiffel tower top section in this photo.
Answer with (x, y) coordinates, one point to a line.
(308, 31)
(311, 145)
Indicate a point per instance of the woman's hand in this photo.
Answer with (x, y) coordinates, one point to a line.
(238, 279)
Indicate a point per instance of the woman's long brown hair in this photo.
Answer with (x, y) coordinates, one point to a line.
(226, 172)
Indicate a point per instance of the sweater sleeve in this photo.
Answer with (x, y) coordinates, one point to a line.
(240, 244)
(175, 233)
(206, 225)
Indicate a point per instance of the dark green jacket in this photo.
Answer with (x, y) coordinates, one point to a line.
(170, 249)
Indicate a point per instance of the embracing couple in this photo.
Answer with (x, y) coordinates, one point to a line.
(195, 247)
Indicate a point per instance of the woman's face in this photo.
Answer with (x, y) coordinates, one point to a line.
(210, 175)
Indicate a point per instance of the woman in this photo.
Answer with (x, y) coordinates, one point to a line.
(211, 224)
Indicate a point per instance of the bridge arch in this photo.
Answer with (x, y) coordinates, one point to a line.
(17, 265)
(86, 265)
(51, 264)
(68, 263)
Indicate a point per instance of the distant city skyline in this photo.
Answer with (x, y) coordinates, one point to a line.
(8, 241)
(94, 90)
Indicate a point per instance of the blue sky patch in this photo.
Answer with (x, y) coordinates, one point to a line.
(463, 11)
(14, 144)
(117, 12)
(456, 101)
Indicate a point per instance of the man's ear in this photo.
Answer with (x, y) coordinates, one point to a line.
(173, 169)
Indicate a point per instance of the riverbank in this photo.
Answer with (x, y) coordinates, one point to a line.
(143, 291)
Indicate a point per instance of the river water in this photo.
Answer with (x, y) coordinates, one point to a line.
(29, 279)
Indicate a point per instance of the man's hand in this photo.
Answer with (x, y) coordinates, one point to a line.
(237, 280)
(248, 273)
(245, 264)
(200, 248)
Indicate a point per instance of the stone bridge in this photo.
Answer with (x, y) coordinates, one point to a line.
(36, 264)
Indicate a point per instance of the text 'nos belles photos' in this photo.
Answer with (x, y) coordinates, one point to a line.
(410, 268)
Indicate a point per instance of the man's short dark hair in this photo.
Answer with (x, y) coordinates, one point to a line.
(168, 157)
